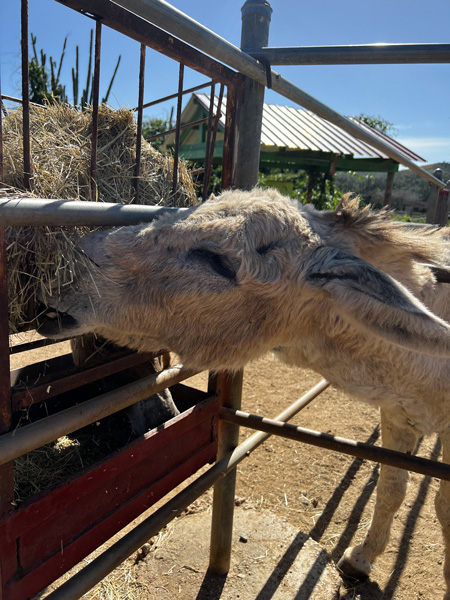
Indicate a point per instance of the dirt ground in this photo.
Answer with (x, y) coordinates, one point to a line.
(312, 493)
(327, 496)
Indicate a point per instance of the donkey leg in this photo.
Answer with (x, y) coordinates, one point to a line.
(357, 561)
(442, 503)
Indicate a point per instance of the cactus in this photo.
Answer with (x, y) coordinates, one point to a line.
(42, 90)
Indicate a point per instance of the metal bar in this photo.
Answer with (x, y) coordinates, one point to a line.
(43, 212)
(95, 571)
(25, 97)
(24, 395)
(229, 141)
(42, 432)
(338, 444)
(169, 131)
(34, 345)
(95, 104)
(214, 134)
(5, 392)
(362, 54)
(172, 96)
(230, 387)
(6, 470)
(137, 168)
(208, 141)
(164, 15)
(143, 31)
(177, 128)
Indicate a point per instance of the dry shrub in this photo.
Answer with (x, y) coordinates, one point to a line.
(40, 259)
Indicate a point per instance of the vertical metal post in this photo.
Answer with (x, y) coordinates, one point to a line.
(230, 388)
(212, 143)
(256, 16)
(177, 128)
(137, 166)
(229, 142)
(95, 103)
(25, 96)
(208, 141)
(6, 471)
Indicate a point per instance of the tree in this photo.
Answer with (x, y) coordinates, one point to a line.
(45, 85)
(378, 123)
(152, 126)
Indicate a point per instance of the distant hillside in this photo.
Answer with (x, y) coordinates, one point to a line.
(410, 191)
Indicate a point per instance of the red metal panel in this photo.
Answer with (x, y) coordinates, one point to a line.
(58, 375)
(55, 531)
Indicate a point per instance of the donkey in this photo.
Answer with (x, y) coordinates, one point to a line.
(348, 293)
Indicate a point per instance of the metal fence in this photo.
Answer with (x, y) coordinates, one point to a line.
(240, 161)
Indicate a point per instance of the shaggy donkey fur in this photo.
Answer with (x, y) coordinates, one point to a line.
(348, 293)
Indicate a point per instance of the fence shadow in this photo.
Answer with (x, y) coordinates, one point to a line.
(212, 585)
(410, 526)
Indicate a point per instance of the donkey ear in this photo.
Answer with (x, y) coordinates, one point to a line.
(377, 303)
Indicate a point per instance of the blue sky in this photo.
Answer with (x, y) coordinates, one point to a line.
(415, 98)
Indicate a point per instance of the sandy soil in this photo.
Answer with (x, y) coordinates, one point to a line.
(323, 496)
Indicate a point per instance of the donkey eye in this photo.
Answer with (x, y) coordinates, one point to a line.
(218, 262)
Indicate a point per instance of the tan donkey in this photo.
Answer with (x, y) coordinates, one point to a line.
(348, 293)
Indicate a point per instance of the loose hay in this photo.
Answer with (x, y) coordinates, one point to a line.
(42, 259)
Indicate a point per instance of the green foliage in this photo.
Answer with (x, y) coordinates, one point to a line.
(44, 82)
(313, 186)
(153, 126)
(378, 123)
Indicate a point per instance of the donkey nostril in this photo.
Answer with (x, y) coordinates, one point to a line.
(51, 315)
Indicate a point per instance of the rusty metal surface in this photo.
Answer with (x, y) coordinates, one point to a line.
(104, 499)
(6, 471)
(229, 142)
(25, 96)
(213, 126)
(386, 456)
(137, 167)
(95, 104)
(144, 32)
(34, 345)
(170, 131)
(56, 376)
(5, 396)
(177, 127)
(208, 155)
(172, 96)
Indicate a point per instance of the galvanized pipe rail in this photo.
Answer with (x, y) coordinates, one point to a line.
(38, 212)
(28, 438)
(361, 54)
(169, 18)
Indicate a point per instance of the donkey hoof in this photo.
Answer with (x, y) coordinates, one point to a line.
(353, 566)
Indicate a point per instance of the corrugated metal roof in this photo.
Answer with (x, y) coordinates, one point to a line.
(297, 128)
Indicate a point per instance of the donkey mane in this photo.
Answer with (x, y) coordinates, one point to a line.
(379, 239)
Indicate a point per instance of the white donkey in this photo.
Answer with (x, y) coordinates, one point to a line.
(348, 293)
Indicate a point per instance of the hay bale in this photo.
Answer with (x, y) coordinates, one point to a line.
(42, 259)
